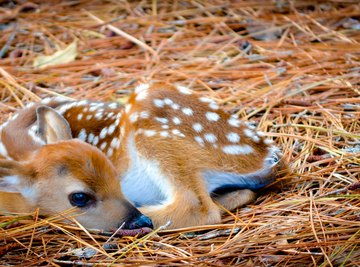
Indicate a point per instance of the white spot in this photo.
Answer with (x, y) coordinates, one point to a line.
(164, 133)
(211, 138)
(178, 133)
(233, 137)
(212, 116)
(237, 149)
(251, 125)
(162, 120)
(255, 138)
(213, 106)
(197, 127)
(127, 108)
(133, 117)
(110, 152)
(268, 141)
(199, 140)
(112, 128)
(82, 135)
(168, 101)
(234, 122)
(113, 105)
(187, 111)
(115, 143)
(29, 105)
(141, 96)
(98, 115)
(260, 133)
(90, 138)
(103, 133)
(88, 117)
(176, 120)
(175, 106)
(66, 107)
(206, 100)
(103, 145)
(92, 109)
(248, 132)
(95, 141)
(149, 133)
(158, 103)
(165, 126)
(82, 103)
(3, 151)
(14, 117)
(45, 101)
(144, 114)
(141, 87)
(117, 122)
(184, 90)
(79, 116)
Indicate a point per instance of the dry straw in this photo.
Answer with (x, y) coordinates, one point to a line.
(291, 66)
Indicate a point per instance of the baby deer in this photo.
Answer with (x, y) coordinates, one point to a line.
(171, 153)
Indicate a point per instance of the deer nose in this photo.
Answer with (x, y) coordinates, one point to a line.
(140, 222)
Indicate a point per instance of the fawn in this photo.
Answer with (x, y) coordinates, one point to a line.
(169, 154)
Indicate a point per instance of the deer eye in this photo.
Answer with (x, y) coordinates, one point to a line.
(80, 199)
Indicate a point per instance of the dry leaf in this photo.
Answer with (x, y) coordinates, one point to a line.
(60, 57)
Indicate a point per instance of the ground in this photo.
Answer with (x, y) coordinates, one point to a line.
(290, 66)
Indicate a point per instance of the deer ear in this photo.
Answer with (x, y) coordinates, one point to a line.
(52, 126)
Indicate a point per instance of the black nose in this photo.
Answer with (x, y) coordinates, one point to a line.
(140, 222)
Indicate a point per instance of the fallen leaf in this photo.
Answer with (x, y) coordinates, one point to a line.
(60, 57)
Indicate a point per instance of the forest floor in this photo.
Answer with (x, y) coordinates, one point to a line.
(293, 67)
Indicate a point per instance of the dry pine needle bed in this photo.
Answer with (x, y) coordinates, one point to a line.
(291, 66)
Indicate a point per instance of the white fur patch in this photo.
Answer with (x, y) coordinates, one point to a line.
(234, 122)
(176, 120)
(187, 111)
(211, 138)
(168, 101)
(178, 133)
(199, 140)
(133, 117)
(3, 151)
(197, 127)
(144, 114)
(144, 183)
(158, 103)
(212, 116)
(162, 120)
(142, 87)
(141, 96)
(103, 133)
(164, 133)
(233, 137)
(82, 135)
(149, 133)
(175, 106)
(184, 90)
(237, 149)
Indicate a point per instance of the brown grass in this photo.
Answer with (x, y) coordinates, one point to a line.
(292, 66)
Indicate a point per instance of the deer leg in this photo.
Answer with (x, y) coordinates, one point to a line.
(235, 199)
